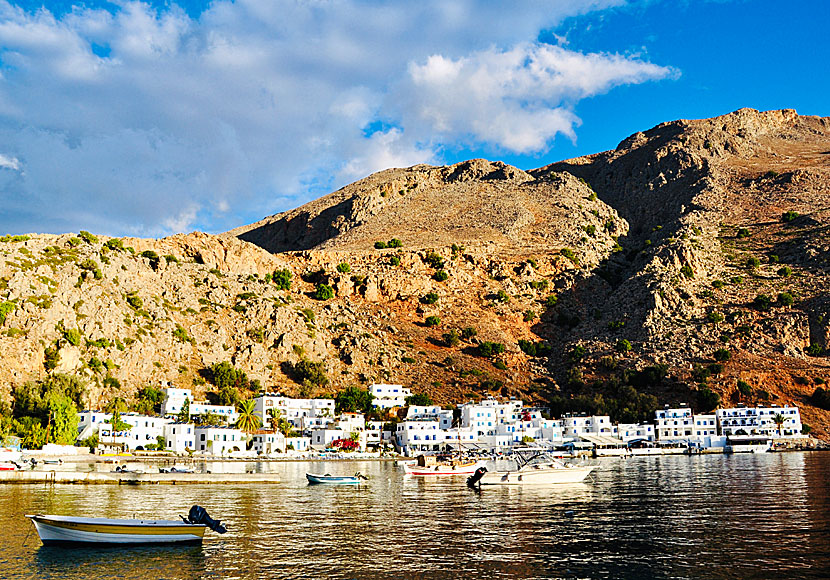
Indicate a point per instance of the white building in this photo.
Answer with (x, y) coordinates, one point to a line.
(220, 440)
(293, 410)
(742, 420)
(418, 435)
(144, 430)
(268, 442)
(174, 399)
(323, 438)
(484, 417)
(430, 413)
(673, 424)
(389, 396)
(634, 431)
(180, 437)
(574, 427)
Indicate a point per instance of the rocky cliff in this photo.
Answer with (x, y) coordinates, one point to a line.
(688, 241)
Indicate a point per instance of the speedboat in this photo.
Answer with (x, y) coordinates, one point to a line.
(538, 470)
(335, 479)
(57, 530)
(428, 465)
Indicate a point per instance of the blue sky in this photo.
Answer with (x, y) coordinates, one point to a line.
(147, 119)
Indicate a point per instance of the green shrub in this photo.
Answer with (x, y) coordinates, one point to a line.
(714, 317)
(282, 279)
(323, 292)
(72, 336)
(408, 360)
(440, 276)
(707, 399)
(742, 233)
(616, 325)
(171, 259)
(722, 355)
(529, 315)
(785, 272)
(785, 299)
(789, 216)
(431, 321)
(539, 284)
(591, 230)
(88, 264)
(394, 243)
(180, 334)
(762, 302)
(380, 245)
(753, 263)
(6, 308)
(429, 298)
(468, 332)
(451, 338)
(488, 349)
(744, 388)
(114, 244)
(623, 346)
(343, 268)
(502, 296)
(395, 261)
(577, 353)
(135, 301)
(569, 254)
(815, 349)
(500, 365)
(773, 258)
(531, 348)
(73, 242)
(551, 301)
(737, 280)
(434, 260)
(718, 284)
(687, 271)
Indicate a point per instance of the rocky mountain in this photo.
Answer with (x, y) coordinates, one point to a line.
(690, 260)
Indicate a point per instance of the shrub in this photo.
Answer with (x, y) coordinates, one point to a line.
(616, 325)
(785, 299)
(687, 271)
(718, 284)
(344, 268)
(431, 321)
(6, 308)
(591, 230)
(569, 253)
(815, 349)
(323, 292)
(72, 336)
(762, 302)
(722, 355)
(529, 316)
(380, 245)
(468, 332)
(821, 398)
(551, 301)
(789, 216)
(714, 317)
(785, 271)
(539, 284)
(434, 260)
(408, 360)
(451, 338)
(577, 353)
(440, 276)
(87, 237)
(171, 259)
(88, 264)
(419, 399)
(742, 233)
(707, 399)
(744, 388)
(115, 244)
(502, 296)
(623, 346)
(309, 371)
(282, 279)
(753, 263)
(429, 298)
(773, 258)
(135, 301)
(488, 349)
(531, 348)
(500, 365)
(180, 334)
(394, 243)
(395, 261)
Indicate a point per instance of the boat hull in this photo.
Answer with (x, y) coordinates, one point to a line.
(61, 530)
(537, 476)
(465, 469)
(332, 479)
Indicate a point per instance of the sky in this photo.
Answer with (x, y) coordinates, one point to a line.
(154, 118)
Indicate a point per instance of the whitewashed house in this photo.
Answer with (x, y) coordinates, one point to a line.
(389, 396)
(574, 427)
(220, 440)
(293, 410)
(759, 421)
(180, 437)
(144, 430)
(174, 399)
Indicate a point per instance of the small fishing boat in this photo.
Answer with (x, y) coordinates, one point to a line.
(538, 470)
(428, 465)
(58, 530)
(335, 479)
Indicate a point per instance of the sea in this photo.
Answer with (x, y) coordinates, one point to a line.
(709, 516)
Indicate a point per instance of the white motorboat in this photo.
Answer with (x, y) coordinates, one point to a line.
(327, 478)
(538, 470)
(57, 530)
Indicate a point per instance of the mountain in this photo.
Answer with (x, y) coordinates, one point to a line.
(627, 270)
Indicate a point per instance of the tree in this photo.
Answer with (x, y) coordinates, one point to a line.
(63, 418)
(148, 400)
(353, 399)
(280, 423)
(778, 419)
(323, 292)
(248, 421)
(419, 399)
(184, 412)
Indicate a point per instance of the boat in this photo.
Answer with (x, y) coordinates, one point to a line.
(335, 479)
(175, 469)
(540, 469)
(430, 465)
(60, 530)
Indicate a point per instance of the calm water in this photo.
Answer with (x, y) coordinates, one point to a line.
(750, 516)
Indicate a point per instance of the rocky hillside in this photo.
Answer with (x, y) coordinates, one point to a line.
(630, 269)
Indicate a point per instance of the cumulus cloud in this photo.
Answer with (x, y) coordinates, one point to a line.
(143, 121)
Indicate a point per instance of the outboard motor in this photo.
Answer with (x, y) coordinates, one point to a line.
(199, 515)
(476, 477)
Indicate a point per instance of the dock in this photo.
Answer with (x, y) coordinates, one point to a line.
(135, 478)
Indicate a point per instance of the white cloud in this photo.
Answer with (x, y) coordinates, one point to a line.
(258, 105)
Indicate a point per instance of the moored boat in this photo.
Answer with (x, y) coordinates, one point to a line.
(57, 530)
(335, 479)
(428, 465)
(538, 470)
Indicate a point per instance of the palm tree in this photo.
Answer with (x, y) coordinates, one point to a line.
(280, 423)
(778, 419)
(248, 420)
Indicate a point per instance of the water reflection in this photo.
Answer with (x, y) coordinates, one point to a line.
(647, 517)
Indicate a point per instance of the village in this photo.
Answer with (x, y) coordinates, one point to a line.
(295, 427)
